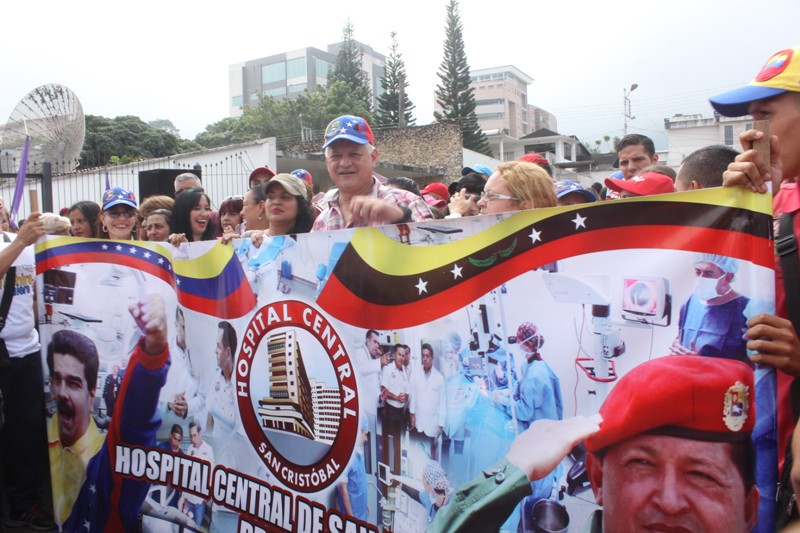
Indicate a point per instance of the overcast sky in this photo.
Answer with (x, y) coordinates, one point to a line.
(169, 59)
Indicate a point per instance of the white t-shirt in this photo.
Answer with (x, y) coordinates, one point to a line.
(19, 332)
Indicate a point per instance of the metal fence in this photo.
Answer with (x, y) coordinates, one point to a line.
(224, 172)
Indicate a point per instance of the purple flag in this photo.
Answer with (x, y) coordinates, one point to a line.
(20, 187)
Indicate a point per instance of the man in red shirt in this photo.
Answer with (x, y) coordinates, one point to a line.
(773, 95)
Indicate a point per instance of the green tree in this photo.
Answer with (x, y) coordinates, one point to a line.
(455, 96)
(127, 138)
(341, 100)
(165, 125)
(348, 69)
(388, 112)
(219, 133)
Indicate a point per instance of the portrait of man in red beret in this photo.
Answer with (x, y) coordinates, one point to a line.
(670, 450)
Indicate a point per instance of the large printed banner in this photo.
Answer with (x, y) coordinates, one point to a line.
(353, 380)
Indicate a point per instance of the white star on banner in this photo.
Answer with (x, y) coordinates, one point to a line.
(147, 255)
(92, 489)
(422, 286)
(160, 260)
(579, 221)
(118, 247)
(535, 235)
(456, 272)
(87, 525)
(132, 250)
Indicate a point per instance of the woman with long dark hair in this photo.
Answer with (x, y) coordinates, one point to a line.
(287, 206)
(83, 216)
(191, 218)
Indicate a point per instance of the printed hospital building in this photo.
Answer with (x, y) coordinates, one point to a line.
(297, 404)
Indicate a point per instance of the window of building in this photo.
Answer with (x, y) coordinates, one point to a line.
(254, 97)
(276, 92)
(729, 135)
(237, 101)
(272, 73)
(748, 126)
(490, 101)
(323, 68)
(297, 87)
(296, 68)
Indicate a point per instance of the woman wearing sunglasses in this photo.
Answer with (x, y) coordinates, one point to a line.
(119, 215)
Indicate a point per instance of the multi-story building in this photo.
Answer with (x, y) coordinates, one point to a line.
(288, 74)
(327, 403)
(290, 405)
(687, 133)
(501, 97)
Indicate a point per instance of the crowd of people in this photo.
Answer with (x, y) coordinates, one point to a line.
(284, 204)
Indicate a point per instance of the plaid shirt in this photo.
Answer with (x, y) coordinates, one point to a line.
(331, 217)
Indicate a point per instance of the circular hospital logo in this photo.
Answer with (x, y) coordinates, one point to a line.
(296, 391)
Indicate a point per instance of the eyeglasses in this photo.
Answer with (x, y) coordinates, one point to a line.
(124, 214)
(490, 196)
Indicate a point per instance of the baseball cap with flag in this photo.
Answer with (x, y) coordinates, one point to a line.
(348, 128)
(117, 196)
(781, 73)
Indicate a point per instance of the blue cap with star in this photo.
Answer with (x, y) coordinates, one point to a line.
(117, 196)
(348, 128)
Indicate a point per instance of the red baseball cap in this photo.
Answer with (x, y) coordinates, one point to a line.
(437, 188)
(538, 159)
(688, 396)
(645, 184)
(261, 170)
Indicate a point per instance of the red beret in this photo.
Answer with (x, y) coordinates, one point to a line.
(689, 396)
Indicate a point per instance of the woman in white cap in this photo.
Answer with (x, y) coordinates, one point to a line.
(119, 216)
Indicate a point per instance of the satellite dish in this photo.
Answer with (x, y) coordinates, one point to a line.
(53, 117)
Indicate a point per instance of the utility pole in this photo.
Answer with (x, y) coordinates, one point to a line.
(401, 95)
(626, 108)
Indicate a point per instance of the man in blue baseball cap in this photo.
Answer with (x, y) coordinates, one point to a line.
(570, 193)
(483, 170)
(773, 95)
(359, 199)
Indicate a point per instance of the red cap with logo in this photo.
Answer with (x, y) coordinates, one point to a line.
(645, 184)
(688, 396)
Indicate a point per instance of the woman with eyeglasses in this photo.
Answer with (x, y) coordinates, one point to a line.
(119, 215)
(517, 185)
(191, 218)
(83, 216)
